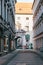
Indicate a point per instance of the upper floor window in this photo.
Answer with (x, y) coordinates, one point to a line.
(0, 7)
(42, 22)
(27, 18)
(5, 12)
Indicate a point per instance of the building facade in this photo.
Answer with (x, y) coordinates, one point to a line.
(7, 24)
(38, 23)
(24, 19)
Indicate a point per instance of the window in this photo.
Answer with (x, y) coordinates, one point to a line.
(38, 26)
(27, 18)
(5, 12)
(42, 22)
(12, 1)
(0, 7)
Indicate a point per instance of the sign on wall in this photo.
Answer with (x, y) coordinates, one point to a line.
(27, 37)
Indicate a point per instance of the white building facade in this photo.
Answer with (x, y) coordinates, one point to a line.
(26, 23)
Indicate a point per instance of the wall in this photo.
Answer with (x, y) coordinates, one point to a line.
(25, 22)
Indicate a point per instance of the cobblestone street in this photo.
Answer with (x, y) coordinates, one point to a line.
(26, 58)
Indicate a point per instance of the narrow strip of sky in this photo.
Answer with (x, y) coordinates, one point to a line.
(25, 0)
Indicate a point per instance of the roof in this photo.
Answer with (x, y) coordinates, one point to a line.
(23, 8)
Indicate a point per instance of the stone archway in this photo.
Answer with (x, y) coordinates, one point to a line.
(16, 41)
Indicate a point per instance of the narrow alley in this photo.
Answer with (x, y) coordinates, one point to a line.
(21, 32)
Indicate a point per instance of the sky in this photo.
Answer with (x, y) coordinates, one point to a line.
(25, 0)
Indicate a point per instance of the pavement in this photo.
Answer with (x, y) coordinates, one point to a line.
(5, 59)
(25, 57)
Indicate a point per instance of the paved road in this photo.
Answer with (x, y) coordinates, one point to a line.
(26, 59)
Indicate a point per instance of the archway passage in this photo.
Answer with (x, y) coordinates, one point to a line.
(17, 42)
